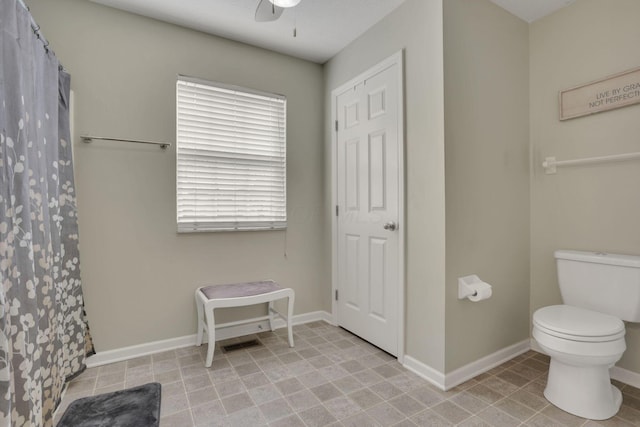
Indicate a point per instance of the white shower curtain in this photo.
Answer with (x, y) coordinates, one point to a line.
(44, 336)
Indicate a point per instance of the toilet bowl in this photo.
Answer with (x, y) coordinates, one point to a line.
(583, 345)
(585, 336)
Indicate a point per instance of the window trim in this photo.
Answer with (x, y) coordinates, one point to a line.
(208, 226)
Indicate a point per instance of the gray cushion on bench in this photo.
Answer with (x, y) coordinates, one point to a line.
(240, 289)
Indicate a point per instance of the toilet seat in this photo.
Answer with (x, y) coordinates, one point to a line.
(578, 324)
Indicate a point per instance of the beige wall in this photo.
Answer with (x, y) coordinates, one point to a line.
(138, 273)
(589, 207)
(416, 27)
(486, 82)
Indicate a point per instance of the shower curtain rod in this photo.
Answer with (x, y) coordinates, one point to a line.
(88, 138)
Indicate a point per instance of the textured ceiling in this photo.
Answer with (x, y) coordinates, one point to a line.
(324, 27)
(531, 10)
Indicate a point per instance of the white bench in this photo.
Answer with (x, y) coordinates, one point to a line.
(208, 298)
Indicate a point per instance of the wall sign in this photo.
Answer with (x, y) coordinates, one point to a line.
(619, 90)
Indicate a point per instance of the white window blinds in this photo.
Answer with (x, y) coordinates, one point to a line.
(231, 158)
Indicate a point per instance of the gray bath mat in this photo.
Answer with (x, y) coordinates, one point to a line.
(133, 407)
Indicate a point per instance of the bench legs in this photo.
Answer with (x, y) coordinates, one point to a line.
(289, 318)
(200, 308)
(206, 321)
(211, 329)
(271, 315)
(290, 300)
(210, 326)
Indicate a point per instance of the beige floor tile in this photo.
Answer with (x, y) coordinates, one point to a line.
(168, 377)
(526, 371)
(139, 361)
(360, 420)
(512, 378)
(236, 403)
(498, 418)
(318, 416)
(326, 392)
(290, 421)
(385, 414)
(172, 389)
(515, 409)
(207, 412)
(342, 407)
(204, 395)
(246, 417)
(562, 417)
(483, 392)
(275, 409)
(474, 421)
(85, 386)
(540, 420)
(533, 401)
(630, 414)
(109, 389)
(385, 390)
(500, 385)
(302, 400)
(365, 398)
(407, 405)
(428, 418)
(426, 395)
(264, 394)
(332, 378)
(167, 355)
(179, 419)
(109, 378)
(451, 412)
(611, 422)
(172, 404)
(469, 402)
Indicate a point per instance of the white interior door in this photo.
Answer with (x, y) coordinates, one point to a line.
(369, 158)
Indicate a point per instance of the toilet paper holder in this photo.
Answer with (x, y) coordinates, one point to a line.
(468, 286)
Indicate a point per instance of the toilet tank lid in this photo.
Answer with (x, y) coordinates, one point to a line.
(599, 258)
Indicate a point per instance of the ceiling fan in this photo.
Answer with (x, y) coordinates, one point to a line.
(270, 10)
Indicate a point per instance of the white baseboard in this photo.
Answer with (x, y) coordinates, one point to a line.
(484, 364)
(434, 376)
(625, 376)
(314, 316)
(460, 375)
(131, 352)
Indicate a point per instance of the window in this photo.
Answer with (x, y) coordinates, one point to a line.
(231, 158)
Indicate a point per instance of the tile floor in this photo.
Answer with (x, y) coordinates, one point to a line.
(333, 378)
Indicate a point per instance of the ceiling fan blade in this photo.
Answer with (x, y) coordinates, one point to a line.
(267, 11)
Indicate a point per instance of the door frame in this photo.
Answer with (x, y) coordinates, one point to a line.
(398, 60)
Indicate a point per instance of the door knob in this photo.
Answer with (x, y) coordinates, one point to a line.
(391, 226)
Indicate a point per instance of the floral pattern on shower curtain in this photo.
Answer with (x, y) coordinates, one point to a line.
(44, 336)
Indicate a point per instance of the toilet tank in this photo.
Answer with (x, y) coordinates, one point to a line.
(607, 283)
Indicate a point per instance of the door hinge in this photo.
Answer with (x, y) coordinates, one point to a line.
(336, 126)
(336, 295)
(337, 210)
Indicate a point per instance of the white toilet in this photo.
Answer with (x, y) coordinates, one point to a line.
(585, 336)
